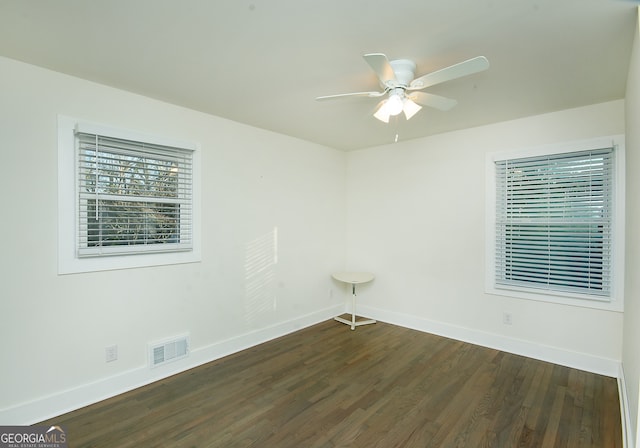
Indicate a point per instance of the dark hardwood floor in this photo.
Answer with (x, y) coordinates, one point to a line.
(378, 386)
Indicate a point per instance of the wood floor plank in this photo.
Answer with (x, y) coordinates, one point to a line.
(378, 386)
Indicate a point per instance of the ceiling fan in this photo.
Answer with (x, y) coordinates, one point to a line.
(397, 79)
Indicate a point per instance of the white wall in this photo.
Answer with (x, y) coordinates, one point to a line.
(631, 349)
(416, 217)
(54, 329)
(409, 218)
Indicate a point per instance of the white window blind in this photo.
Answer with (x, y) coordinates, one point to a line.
(133, 197)
(554, 222)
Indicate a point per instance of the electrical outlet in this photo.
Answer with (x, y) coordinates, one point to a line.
(111, 353)
(330, 293)
(507, 319)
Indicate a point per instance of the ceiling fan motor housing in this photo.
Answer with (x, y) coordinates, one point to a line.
(404, 69)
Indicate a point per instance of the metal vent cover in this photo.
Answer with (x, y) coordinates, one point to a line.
(168, 350)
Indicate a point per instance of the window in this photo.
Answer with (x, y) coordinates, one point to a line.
(556, 221)
(132, 197)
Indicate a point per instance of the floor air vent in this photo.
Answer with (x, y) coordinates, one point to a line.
(168, 350)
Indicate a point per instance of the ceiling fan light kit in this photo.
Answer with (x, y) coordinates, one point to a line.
(397, 78)
(396, 103)
(410, 108)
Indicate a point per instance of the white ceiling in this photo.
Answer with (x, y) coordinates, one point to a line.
(262, 62)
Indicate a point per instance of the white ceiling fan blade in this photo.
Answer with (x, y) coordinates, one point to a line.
(410, 108)
(380, 64)
(343, 95)
(431, 100)
(455, 71)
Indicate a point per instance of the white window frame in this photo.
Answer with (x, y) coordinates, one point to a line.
(614, 302)
(68, 208)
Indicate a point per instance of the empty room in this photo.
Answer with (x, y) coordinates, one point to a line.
(309, 223)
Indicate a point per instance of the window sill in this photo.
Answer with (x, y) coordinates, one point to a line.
(583, 301)
(72, 265)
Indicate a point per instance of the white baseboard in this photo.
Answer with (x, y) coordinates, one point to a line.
(568, 358)
(86, 394)
(627, 432)
(69, 400)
